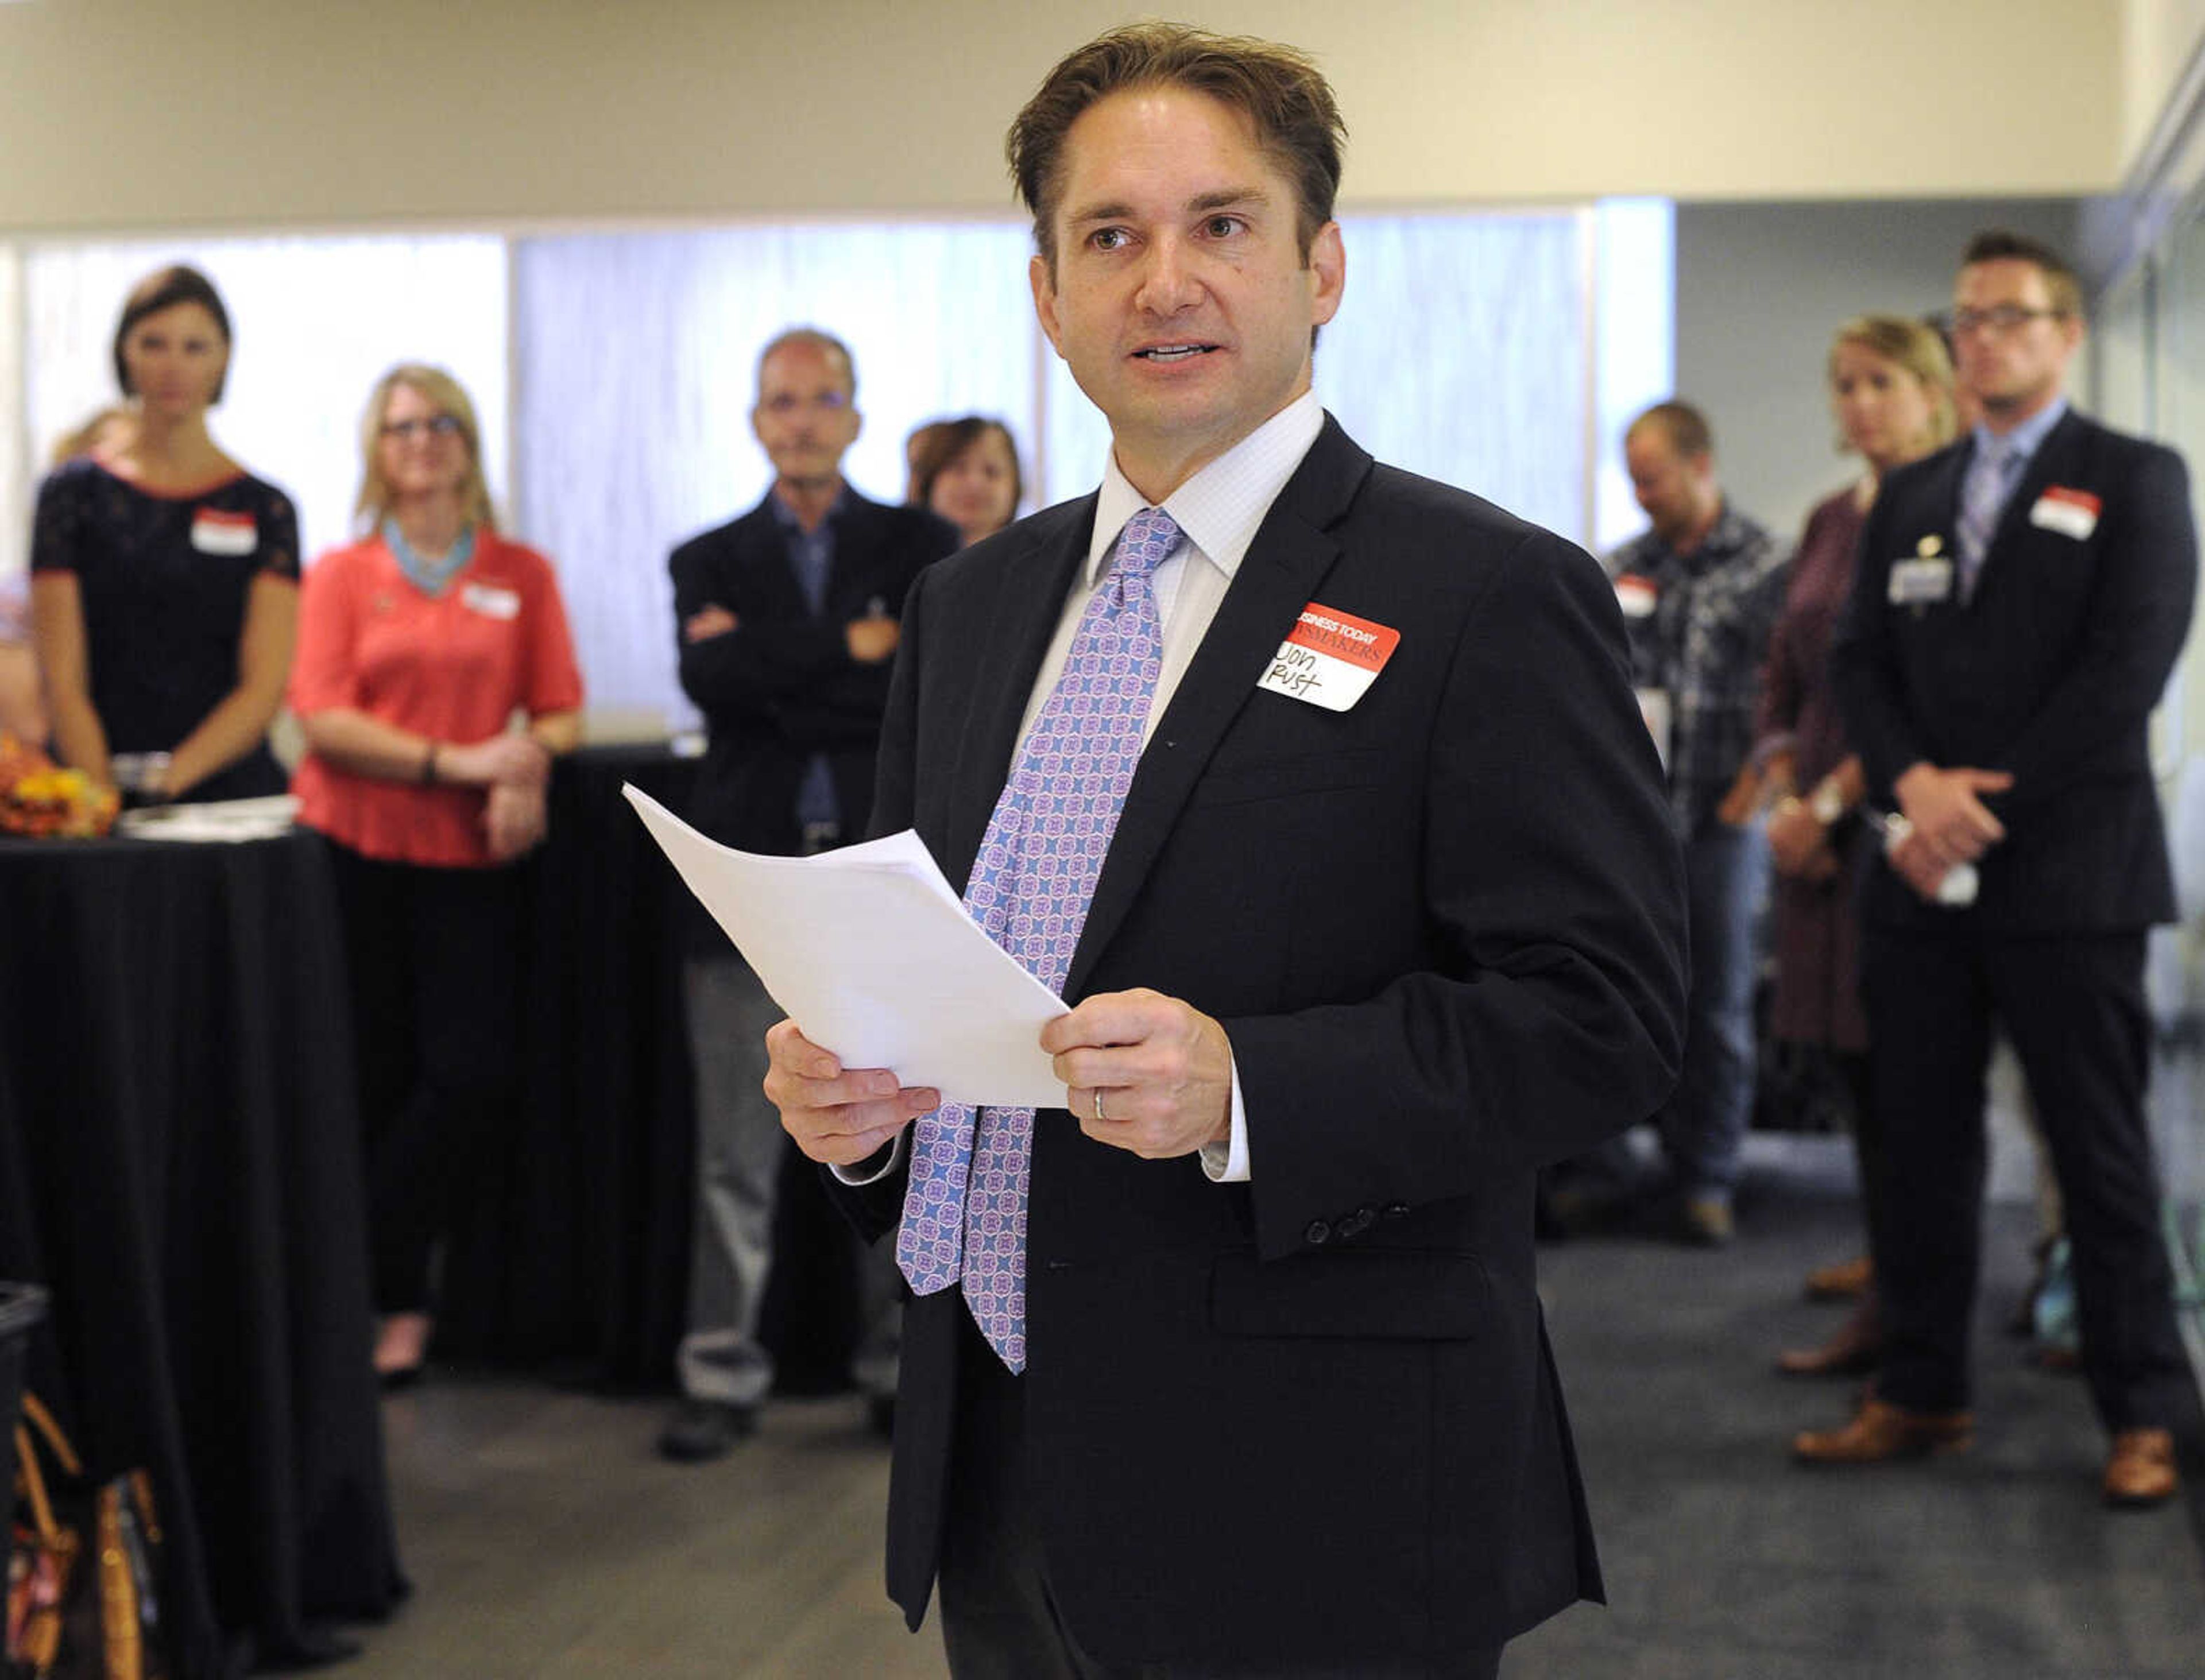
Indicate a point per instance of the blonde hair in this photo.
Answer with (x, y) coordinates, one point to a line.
(1914, 346)
(447, 394)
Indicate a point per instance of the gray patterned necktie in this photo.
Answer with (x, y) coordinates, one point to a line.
(1982, 497)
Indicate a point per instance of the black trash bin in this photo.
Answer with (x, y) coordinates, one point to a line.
(21, 1306)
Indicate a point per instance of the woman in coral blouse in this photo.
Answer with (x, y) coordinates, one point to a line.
(418, 644)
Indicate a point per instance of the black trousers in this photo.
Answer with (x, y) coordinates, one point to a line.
(999, 1618)
(2073, 1006)
(435, 962)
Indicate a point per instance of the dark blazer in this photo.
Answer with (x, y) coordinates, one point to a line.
(1316, 1414)
(781, 685)
(2050, 672)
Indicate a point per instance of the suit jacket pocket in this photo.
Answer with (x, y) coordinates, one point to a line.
(1386, 1294)
(1225, 782)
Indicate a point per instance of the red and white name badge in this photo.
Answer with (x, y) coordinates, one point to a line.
(1329, 658)
(1637, 596)
(217, 532)
(2071, 513)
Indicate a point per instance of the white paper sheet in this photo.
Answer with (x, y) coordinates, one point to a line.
(218, 820)
(869, 950)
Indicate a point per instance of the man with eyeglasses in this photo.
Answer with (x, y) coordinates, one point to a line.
(2021, 597)
(788, 621)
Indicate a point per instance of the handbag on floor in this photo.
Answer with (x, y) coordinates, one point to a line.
(81, 1567)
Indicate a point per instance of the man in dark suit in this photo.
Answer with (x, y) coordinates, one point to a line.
(2020, 600)
(787, 621)
(1320, 791)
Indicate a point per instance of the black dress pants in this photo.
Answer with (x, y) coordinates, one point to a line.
(999, 1617)
(2073, 1006)
(435, 958)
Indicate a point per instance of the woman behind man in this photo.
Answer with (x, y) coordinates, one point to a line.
(967, 472)
(164, 590)
(1891, 393)
(416, 646)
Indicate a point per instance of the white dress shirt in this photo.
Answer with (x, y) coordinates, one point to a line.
(1218, 511)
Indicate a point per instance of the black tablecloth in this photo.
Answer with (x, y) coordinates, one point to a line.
(577, 1256)
(577, 1253)
(179, 1160)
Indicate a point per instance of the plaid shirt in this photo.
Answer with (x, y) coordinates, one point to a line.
(1704, 643)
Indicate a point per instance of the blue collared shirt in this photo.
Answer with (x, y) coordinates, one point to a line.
(811, 558)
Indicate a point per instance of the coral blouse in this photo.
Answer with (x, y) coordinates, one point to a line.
(453, 667)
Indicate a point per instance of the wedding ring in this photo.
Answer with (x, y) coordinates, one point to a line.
(1100, 1117)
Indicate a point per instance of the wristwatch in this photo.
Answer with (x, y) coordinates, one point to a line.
(1826, 803)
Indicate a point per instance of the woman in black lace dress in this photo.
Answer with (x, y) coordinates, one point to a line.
(164, 576)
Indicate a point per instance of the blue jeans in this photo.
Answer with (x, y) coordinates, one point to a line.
(1702, 1126)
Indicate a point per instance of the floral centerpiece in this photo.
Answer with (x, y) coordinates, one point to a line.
(38, 797)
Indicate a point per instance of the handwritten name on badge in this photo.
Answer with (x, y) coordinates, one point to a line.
(490, 603)
(1329, 658)
(2071, 513)
(217, 532)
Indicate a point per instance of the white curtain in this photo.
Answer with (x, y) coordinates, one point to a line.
(635, 363)
(614, 371)
(316, 320)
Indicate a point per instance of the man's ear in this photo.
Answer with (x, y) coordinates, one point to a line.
(1044, 296)
(1327, 269)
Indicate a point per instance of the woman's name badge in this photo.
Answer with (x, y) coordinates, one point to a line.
(1926, 578)
(2071, 513)
(1637, 596)
(491, 603)
(1917, 583)
(217, 532)
(1329, 658)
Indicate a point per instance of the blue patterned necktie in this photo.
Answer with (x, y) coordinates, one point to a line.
(1982, 497)
(965, 1211)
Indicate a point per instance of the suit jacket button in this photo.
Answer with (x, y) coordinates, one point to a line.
(1397, 1210)
(1316, 1231)
(1358, 1221)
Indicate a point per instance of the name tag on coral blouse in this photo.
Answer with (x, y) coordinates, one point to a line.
(2069, 512)
(1637, 596)
(490, 602)
(1329, 658)
(215, 532)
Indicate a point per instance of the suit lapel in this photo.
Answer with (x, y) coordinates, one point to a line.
(2054, 459)
(1292, 553)
(1008, 650)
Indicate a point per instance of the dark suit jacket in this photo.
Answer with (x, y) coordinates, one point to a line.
(2050, 672)
(781, 685)
(1315, 1415)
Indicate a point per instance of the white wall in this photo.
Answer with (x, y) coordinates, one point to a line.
(144, 114)
(1760, 289)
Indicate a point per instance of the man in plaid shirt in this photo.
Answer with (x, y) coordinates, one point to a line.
(1700, 592)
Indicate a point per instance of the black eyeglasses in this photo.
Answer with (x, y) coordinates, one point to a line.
(442, 425)
(2003, 317)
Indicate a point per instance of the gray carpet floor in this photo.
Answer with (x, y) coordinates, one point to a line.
(546, 1542)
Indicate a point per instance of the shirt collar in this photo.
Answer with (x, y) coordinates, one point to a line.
(785, 516)
(2020, 443)
(1221, 507)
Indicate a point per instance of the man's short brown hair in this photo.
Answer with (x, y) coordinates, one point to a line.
(1997, 245)
(1279, 90)
(1684, 425)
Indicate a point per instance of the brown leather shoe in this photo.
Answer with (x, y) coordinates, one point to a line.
(1846, 1281)
(1880, 1431)
(2140, 1471)
(1856, 1348)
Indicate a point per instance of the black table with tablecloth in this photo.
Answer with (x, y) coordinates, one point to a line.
(179, 1162)
(576, 1259)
